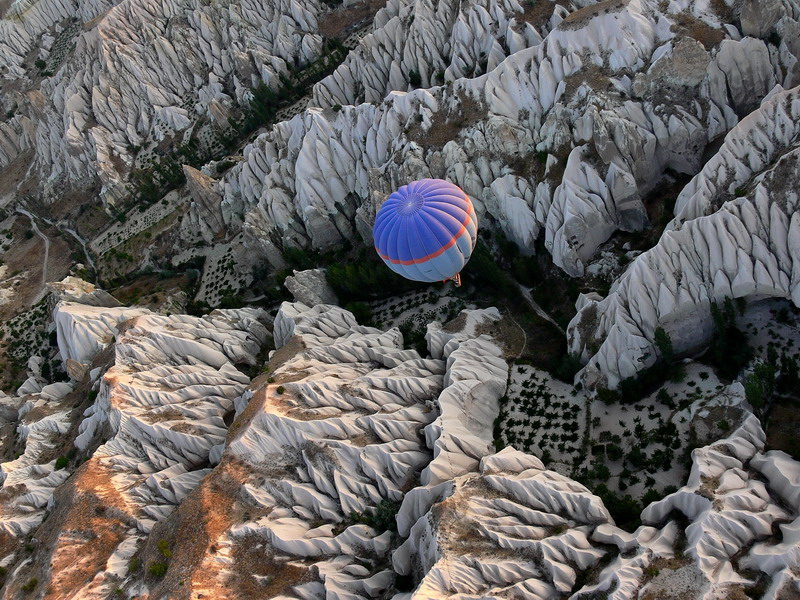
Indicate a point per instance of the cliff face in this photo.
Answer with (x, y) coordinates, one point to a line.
(734, 236)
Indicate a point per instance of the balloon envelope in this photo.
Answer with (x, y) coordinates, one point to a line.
(426, 230)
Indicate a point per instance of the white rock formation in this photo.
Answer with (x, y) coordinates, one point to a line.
(510, 529)
(475, 379)
(157, 417)
(438, 42)
(139, 72)
(729, 507)
(73, 289)
(310, 287)
(602, 146)
(745, 247)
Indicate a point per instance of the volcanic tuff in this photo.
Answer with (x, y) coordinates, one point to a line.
(193, 155)
(274, 479)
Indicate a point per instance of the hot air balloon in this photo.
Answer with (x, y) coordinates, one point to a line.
(426, 230)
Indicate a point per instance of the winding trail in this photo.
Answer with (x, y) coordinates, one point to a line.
(82, 242)
(526, 293)
(46, 242)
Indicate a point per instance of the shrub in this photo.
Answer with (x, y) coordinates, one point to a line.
(614, 452)
(361, 311)
(40, 64)
(636, 457)
(31, 585)
(163, 547)
(608, 396)
(728, 351)
(568, 367)
(61, 462)
(664, 344)
(651, 571)
(280, 389)
(385, 517)
(760, 385)
(624, 509)
(157, 569)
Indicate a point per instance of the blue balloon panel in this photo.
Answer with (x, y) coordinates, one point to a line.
(426, 230)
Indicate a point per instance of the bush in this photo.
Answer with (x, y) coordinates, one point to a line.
(365, 279)
(31, 585)
(414, 337)
(384, 517)
(624, 509)
(614, 452)
(636, 457)
(664, 398)
(728, 351)
(224, 165)
(157, 569)
(651, 571)
(484, 270)
(568, 367)
(608, 396)
(760, 385)
(280, 389)
(664, 344)
(163, 547)
(61, 462)
(361, 311)
(414, 78)
(230, 300)
(39, 64)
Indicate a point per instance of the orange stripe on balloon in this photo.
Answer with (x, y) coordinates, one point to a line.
(440, 251)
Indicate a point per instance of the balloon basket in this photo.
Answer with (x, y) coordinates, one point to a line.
(456, 280)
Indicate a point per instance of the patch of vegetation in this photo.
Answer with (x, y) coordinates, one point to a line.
(157, 569)
(624, 509)
(414, 336)
(729, 351)
(134, 564)
(30, 586)
(163, 547)
(633, 389)
(384, 517)
(366, 278)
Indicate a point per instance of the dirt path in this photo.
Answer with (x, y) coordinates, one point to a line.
(81, 241)
(526, 293)
(44, 238)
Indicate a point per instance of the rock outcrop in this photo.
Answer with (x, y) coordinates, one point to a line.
(735, 236)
